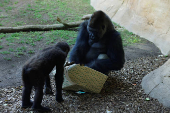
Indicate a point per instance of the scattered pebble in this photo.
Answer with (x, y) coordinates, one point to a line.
(122, 93)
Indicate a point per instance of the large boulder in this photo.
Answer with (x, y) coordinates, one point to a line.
(149, 19)
(157, 84)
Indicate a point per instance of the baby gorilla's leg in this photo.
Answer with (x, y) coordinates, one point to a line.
(26, 102)
(38, 99)
(47, 89)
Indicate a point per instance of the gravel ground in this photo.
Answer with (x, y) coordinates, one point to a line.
(122, 93)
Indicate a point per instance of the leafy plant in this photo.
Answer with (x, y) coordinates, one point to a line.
(5, 52)
(8, 59)
(1, 47)
(31, 52)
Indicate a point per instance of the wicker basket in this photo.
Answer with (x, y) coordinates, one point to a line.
(83, 78)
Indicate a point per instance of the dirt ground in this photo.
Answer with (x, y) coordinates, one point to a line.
(122, 92)
(11, 70)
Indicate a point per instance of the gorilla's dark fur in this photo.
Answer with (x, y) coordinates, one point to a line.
(36, 72)
(98, 45)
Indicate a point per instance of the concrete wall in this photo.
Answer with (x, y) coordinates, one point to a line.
(149, 19)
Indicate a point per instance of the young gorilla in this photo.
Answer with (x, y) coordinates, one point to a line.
(36, 72)
(98, 45)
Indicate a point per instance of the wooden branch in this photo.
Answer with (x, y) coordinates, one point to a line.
(28, 28)
(86, 17)
(59, 20)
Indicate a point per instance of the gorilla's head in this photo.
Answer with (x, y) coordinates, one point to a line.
(63, 46)
(98, 25)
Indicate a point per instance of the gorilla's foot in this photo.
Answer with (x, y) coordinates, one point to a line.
(48, 91)
(27, 105)
(41, 109)
(59, 100)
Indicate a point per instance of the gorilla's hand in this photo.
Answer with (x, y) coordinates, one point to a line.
(81, 64)
(68, 63)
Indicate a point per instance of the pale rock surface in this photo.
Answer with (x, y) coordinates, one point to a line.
(157, 84)
(149, 19)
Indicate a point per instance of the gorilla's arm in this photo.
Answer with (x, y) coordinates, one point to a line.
(81, 46)
(115, 53)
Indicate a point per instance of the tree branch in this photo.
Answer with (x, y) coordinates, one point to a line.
(28, 28)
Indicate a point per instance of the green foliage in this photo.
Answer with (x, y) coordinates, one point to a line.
(21, 49)
(45, 11)
(1, 47)
(11, 50)
(8, 59)
(128, 38)
(31, 52)
(2, 35)
(13, 37)
(16, 2)
(60, 35)
(5, 52)
(9, 8)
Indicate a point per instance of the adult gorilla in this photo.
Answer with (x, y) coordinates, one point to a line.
(98, 45)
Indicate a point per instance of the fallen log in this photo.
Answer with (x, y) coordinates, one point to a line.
(28, 28)
(86, 17)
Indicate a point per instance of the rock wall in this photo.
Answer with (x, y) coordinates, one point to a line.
(157, 84)
(149, 19)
